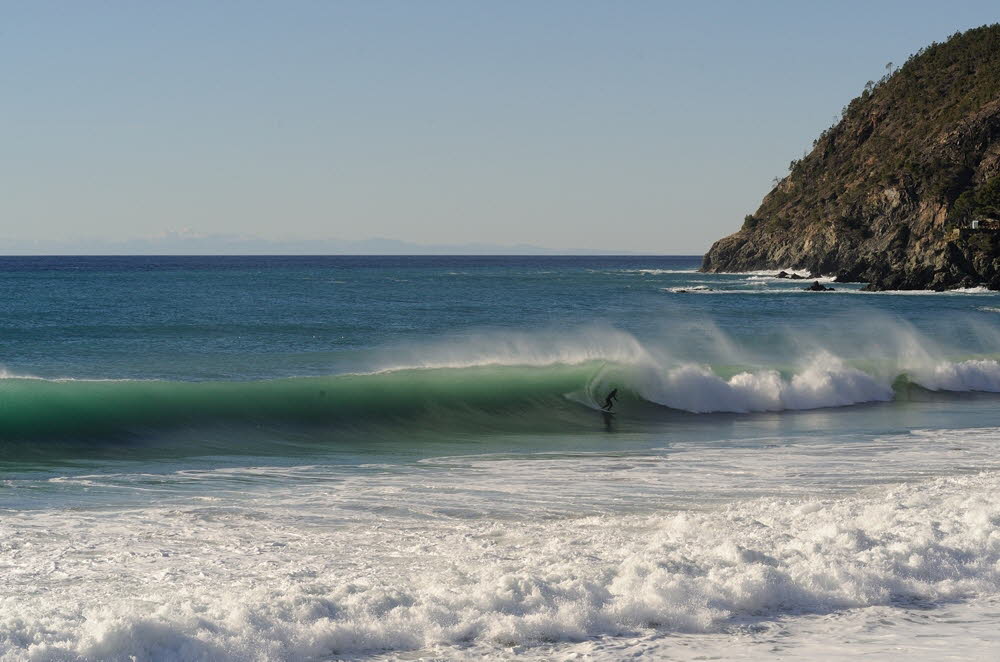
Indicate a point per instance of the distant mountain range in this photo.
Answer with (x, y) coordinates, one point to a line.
(186, 244)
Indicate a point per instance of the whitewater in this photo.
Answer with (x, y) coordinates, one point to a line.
(280, 458)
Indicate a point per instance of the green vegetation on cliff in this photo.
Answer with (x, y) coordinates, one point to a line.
(884, 193)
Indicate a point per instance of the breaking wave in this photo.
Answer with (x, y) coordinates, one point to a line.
(522, 385)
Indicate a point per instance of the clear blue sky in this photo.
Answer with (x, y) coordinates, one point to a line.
(652, 126)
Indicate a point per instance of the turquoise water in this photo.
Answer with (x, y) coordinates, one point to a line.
(363, 455)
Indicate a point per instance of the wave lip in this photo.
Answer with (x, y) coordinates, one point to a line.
(825, 382)
(971, 375)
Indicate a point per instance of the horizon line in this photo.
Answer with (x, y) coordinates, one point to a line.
(536, 255)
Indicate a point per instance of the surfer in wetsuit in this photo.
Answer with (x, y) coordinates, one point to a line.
(609, 401)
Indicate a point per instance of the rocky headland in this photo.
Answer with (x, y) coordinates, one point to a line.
(903, 192)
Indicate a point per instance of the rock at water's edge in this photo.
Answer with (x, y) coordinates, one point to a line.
(888, 195)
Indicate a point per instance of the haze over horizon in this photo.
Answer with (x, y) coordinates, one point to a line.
(586, 126)
(185, 242)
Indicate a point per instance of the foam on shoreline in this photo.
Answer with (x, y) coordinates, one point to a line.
(258, 583)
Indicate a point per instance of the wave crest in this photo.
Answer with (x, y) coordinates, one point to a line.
(825, 382)
(502, 382)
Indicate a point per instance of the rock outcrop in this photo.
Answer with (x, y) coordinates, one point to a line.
(889, 195)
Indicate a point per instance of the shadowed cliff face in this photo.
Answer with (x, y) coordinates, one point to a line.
(887, 194)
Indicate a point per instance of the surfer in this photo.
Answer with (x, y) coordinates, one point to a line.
(609, 401)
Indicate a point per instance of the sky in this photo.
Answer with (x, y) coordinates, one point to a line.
(618, 126)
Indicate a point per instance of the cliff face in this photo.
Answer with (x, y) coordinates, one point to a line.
(887, 195)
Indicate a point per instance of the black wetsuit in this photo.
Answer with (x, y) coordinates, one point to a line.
(609, 401)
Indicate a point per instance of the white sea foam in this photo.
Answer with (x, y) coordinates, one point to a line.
(760, 287)
(804, 273)
(961, 290)
(6, 374)
(805, 277)
(824, 382)
(972, 290)
(658, 271)
(293, 574)
(972, 375)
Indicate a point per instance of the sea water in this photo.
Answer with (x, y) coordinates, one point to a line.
(285, 458)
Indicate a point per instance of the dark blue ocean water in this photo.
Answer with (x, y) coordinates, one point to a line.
(261, 317)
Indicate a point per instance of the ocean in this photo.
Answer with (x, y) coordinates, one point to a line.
(324, 458)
